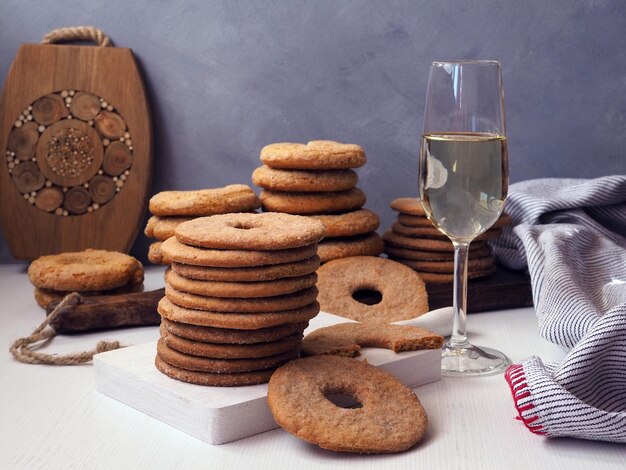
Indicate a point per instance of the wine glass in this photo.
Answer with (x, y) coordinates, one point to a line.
(463, 182)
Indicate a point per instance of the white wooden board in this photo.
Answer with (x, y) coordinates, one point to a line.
(216, 414)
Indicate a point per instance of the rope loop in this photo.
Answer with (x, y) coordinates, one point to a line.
(77, 33)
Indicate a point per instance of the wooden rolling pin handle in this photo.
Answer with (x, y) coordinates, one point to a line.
(108, 311)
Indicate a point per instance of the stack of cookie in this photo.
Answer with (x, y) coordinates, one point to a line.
(171, 208)
(414, 241)
(239, 294)
(318, 180)
(89, 272)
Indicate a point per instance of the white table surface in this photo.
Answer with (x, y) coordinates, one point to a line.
(51, 416)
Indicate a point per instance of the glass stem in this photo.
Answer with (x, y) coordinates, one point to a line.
(459, 299)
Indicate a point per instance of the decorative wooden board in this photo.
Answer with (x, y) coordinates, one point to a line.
(505, 289)
(218, 415)
(76, 136)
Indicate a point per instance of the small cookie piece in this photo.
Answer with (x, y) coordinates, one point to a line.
(312, 203)
(408, 205)
(349, 224)
(246, 290)
(253, 274)
(221, 366)
(203, 202)
(269, 231)
(238, 321)
(222, 304)
(315, 155)
(174, 250)
(213, 380)
(443, 278)
(156, 256)
(89, 270)
(402, 292)
(417, 255)
(346, 339)
(391, 418)
(304, 180)
(208, 334)
(230, 351)
(343, 247)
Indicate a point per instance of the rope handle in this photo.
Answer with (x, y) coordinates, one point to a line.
(20, 350)
(77, 33)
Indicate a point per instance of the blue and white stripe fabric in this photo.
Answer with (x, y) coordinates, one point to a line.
(571, 235)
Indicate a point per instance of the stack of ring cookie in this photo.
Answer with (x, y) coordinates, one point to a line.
(414, 241)
(238, 296)
(171, 208)
(89, 272)
(318, 180)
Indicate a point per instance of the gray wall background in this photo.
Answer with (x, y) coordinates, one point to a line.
(226, 77)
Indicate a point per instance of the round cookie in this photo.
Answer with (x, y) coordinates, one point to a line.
(447, 267)
(362, 245)
(349, 224)
(269, 231)
(222, 304)
(240, 321)
(315, 155)
(443, 278)
(402, 291)
(89, 270)
(230, 351)
(156, 256)
(164, 227)
(253, 274)
(391, 418)
(203, 202)
(231, 336)
(432, 232)
(173, 250)
(149, 230)
(414, 220)
(246, 290)
(303, 180)
(221, 366)
(408, 205)
(213, 380)
(312, 203)
(424, 244)
(418, 255)
(346, 339)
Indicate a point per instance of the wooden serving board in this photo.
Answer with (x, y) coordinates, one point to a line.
(75, 131)
(222, 414)
(504, 290)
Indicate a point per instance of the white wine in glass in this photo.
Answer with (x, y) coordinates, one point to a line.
(463, 182)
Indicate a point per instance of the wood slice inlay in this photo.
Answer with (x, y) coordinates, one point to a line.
(27, 177)
(69, 152)
(23, 141)
(49, 109)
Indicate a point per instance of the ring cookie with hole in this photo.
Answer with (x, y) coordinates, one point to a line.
(349, 224)
(315, 155)
(343, 247)
(346, 339)
(304, 180)
(269, 231)
(395, 292)
(390, 418)
(202, 202)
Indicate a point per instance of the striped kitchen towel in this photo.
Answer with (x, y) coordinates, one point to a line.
(571, 235)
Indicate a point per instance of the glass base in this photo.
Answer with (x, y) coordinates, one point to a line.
(470, 361)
